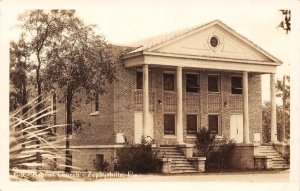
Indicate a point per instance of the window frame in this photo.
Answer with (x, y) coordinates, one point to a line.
(219, 123)
(174, 81)
(232, 86)
(95, 105)
(198, 82)
(173, 114)
(218, 83)
(149, 78)
(53, 102)
(197, 123)
(136, 80)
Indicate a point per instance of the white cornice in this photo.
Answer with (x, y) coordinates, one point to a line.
(210, 58)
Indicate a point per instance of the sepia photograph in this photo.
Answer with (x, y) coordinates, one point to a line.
(168, 94)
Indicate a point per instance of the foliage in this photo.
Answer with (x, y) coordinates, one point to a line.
(79, 61)
(266, 112)
(220, 157)
(204, 141)
(138, 158)
(286, 23)
(39, 29)
(19, 69)
(78, 125)
(217, 151)
(23, 146)
(64, 54)
(283, 92)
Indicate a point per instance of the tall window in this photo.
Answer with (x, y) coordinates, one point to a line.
(97, 102)
(169, 124)
(95, 106)
(191, 123)
(53, 103)
(236, 85)
(169, 83)
(192, 83)
(214, 83)
(139, 80)
(213, 123)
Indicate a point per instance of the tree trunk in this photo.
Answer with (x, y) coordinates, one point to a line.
(39, 89)
(24, 102)
(24, 97)
(69, 98)
(39, 99)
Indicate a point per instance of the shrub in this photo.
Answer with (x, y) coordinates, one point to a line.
(138, 158)
(217, 151)
(204, 142)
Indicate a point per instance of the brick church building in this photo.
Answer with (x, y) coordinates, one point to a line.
(171, 85)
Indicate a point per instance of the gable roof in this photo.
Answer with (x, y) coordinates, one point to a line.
(150, 42)
(153, 42)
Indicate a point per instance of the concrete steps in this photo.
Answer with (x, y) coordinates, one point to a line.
(184, 171)
(278, 162)
(179, 163)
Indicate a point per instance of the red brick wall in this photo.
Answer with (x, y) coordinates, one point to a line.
(118, 105)
(123, 98)
(202, 103)
(96, 130)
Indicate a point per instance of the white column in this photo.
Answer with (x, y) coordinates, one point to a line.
(273, 109)
(145, 101)
(245, 109)
(179, 125)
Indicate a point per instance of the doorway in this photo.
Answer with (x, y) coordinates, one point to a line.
(236, 128)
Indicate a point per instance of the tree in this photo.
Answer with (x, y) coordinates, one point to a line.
(283, 91)
(39, 30)
(19, 68)
(286, 24)
(79, 62)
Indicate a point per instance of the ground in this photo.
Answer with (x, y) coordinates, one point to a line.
(245, 176)
(234, 176)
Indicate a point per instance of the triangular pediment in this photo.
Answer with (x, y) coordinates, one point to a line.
(229, 45)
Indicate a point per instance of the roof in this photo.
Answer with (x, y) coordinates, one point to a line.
(148, 43)
(158, 39)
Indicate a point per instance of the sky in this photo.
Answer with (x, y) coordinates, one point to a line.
(122, 22)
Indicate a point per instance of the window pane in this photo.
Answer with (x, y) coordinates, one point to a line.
(236, 85)
(139, 80)
(213, 123)
(169, 124)
(192, 83)
(169, 82)
(191, 121)
(213, 83)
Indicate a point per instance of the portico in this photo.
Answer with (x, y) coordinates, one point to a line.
(222, 50)
(179, 106)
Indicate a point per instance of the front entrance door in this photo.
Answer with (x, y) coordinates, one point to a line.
(236, 128)
(138, 126)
